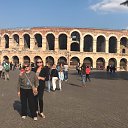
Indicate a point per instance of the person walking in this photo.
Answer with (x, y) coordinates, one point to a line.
(47, 79)
(61, 78)
(41, 74)
(27, 88)
(6, 70)
(83, 74)
(88, 73)
(1, 69)
(65, 71)
(54, 76)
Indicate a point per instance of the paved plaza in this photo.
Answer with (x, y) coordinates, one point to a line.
(102, 104)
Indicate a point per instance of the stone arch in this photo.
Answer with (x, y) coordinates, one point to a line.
(26, 60)
(50, 60)
(15, 60)
(112, 44)
(113, 62)
(63, 42)
(74, 61)
(16, 39)
(26, 41)
(100, 63)
(124, 44)
(62, 60)
(101, 41)
(88, 61)
(75, 41)
(38, 40)
(6, 37)
(88, 43)
(75, 46)
(123, 64)
(50, 42)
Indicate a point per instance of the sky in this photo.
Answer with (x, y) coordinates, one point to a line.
(106, 14)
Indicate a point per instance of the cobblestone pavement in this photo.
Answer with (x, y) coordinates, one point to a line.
(102, 104)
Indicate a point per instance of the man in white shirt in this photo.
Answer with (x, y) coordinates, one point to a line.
(66, 71)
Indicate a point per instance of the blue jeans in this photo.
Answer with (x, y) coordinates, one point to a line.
(65, 75)
(84, 78)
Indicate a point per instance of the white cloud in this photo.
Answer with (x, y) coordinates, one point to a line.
(109, 6)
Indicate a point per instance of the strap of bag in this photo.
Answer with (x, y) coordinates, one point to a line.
(28, 80)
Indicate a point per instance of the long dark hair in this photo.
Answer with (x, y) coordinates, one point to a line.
(41, 60)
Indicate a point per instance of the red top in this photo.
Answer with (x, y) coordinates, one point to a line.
(87, 70)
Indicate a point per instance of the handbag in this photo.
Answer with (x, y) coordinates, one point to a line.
(35, 92)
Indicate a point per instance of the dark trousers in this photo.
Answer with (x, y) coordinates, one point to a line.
(88, 77)
(27, 97)
(39, 98)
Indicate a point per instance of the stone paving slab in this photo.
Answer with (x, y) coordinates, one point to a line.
(102, 104)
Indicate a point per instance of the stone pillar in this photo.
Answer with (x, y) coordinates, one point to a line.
(11, 43)
(94, 45)
(68, 43)
(107, 46)
(21, 43)
(94, 63)
(2, 46)
(118, 65)
(81, 45)
(32, 43)
(44, 43)
(118, 46)
(56, 44)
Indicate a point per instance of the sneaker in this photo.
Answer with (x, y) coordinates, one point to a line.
(23, 117)
(42, 115)
(35, 118)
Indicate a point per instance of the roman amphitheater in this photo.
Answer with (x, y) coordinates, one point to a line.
(95, 47)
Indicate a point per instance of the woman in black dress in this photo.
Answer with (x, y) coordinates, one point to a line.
(41, 74)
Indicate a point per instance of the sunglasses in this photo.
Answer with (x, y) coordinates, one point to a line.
(39, 62)
(25, 66)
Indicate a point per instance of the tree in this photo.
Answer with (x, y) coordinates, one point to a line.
(125, 3)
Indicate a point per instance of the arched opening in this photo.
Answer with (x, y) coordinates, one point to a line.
(101, 44)
(38, 40)
(50, 42)
(112, 44)
(36, 58)
(75, 43)
(75, 46)
(6, 59)
(26, 41)
(63, 42)
(88, 43)
(50, 60)
(112, 62)
(123, 51)
(74, 61)
(62, 60)
(16, 39)
(124, 44)
(88, 61)
(123, 64)
(26, 60)
(6, 37)
(100, 63)
(15, 60)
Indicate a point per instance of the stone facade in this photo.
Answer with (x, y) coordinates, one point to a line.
(96, 47)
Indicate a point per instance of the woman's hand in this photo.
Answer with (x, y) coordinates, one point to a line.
(41, 78)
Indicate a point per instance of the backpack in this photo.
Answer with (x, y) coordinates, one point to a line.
(7, 67)
(87, 70)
